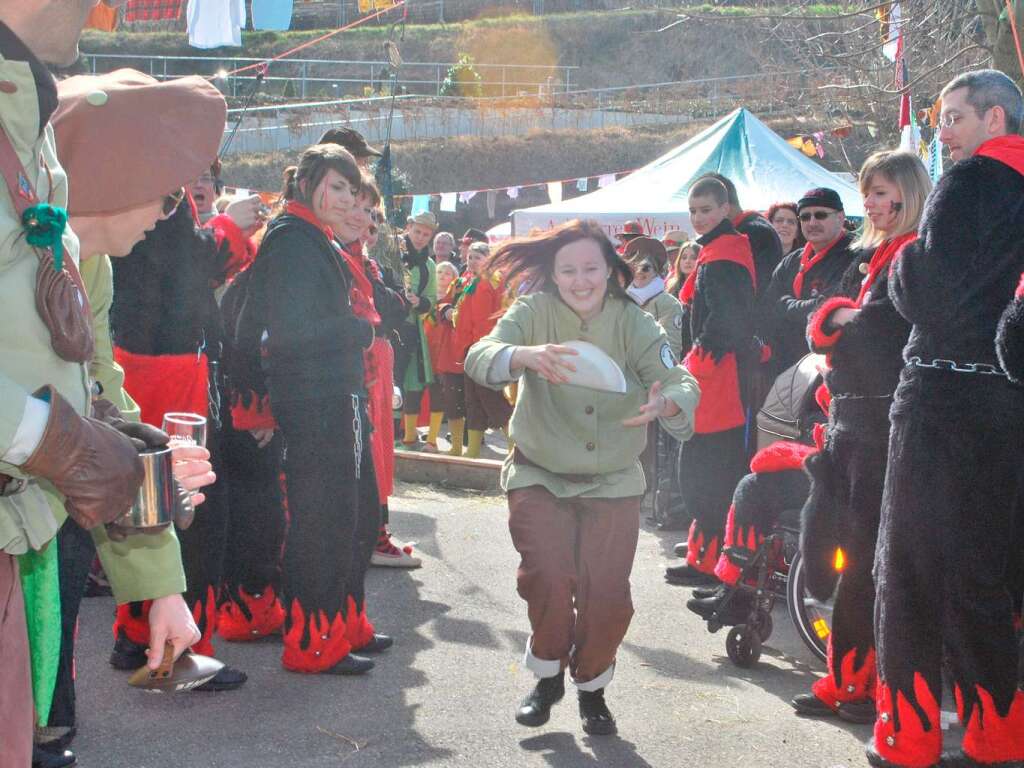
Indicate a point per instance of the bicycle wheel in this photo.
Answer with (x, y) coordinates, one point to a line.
(812, 618)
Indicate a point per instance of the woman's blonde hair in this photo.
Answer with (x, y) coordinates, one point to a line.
(907, 172)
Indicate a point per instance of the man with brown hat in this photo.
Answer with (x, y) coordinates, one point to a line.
(56, 460)
(630, 230)
(173, 151)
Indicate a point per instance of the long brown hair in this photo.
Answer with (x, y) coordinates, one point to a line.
(302, 180)
(530, 261)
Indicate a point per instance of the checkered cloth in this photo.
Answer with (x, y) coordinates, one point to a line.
(152, 10)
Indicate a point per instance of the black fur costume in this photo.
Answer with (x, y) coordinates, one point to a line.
(786, 303)
(951, 504)
(720, 299)
(847, 476)
(164, 313)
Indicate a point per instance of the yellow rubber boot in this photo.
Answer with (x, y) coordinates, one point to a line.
(411, 437)
(436, 417)
(458, 428)
(476, 441)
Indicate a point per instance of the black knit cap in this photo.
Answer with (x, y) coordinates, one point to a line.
(822, 197)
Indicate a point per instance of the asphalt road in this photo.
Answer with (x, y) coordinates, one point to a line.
(446, 693)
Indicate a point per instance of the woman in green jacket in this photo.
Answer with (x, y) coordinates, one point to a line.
(573, 480)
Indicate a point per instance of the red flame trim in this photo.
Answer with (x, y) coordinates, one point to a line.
(265, 616)
(991, 737)
(327, 642)
(914, 743)
(702, 557)
(835, 688)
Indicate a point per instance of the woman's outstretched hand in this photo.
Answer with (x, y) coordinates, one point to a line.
(657, 406)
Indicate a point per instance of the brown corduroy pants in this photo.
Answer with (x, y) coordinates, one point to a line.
(16, 709)
(576, 557)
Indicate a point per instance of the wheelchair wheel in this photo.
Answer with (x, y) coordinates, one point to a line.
(812, 618)
(743, 645)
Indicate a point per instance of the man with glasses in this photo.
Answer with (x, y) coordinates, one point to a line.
(951, 519)
(807, 277)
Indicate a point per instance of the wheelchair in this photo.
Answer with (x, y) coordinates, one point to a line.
(774, 571)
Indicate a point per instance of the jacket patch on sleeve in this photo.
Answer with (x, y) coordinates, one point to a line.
(677, 321)
(667, 358)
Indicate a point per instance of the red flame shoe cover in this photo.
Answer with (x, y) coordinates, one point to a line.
(312, 643)
(701, 556)
(849, 682)
(255, 616)
(993, 737)
(908, 733)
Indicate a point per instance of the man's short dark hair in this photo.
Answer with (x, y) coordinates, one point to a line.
(710, 187)
(987, 88)
(730, 188)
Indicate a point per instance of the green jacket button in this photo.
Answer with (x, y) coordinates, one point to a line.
(588, 410)
(591, 446)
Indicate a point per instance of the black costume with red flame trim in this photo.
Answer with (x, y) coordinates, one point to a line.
(719, 295)
(800, 283)
(847, 476)
(168, 338)
(301, 311)
(249, 605)
(950, 508)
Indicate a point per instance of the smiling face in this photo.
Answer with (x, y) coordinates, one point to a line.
(445, 277)
(706, 213)
(357, 222)
(962, 129)
(332, 202)
(820, 225)
(786, 225)
(882, 202)
(581, 274)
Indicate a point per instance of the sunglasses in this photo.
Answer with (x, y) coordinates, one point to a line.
(645, 268)
(817, 215)
(173, 200)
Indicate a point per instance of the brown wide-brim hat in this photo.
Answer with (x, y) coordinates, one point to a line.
(641, 248)
(126, 139)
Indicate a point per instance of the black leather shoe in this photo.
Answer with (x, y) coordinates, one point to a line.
(681, 549)
(597, 720)
(809, 705)
(228, 679)
(736, 612)
(861, 712)
(536, 708)
(959, 760)
(43, 759)
(378, 644)
(686, 576)
(351, 665)
(877, 761)
(126, 654)
(703, 593)
(673, 524)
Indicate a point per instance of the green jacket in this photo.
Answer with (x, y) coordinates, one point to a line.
(142, 566)
(568, 430)
(666, 309)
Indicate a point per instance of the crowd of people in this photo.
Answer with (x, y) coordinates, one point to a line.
(137, 288)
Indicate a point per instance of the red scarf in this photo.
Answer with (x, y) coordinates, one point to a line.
(880, 261)
(361, 292)
(728, 247)
(1008, 150)
(808, 260)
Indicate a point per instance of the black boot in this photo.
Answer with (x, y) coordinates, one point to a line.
(597, 720)
(351, 665)
(536, 708)
(736, 612)
(809, 705)
(703, 593)
(127, 655)
(378, 644)
(43, 759)
(686, 576)
(860, 712)
(227, 679)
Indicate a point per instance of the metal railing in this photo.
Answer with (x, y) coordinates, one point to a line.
(309, 78)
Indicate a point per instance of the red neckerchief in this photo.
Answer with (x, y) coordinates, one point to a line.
(727, 247)
(361, 292)
(1008, 150)
(880, 261)
(305, 213)
(808, 259)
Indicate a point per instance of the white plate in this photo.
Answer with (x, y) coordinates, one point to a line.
(594, 369)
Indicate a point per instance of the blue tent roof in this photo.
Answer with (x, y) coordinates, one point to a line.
(764, 168)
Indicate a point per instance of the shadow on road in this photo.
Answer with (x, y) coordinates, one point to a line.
(562, 750)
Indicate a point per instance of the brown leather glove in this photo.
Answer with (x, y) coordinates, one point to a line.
(93, 465)
(144, 436)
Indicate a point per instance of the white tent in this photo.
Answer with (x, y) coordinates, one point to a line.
(764, 168)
